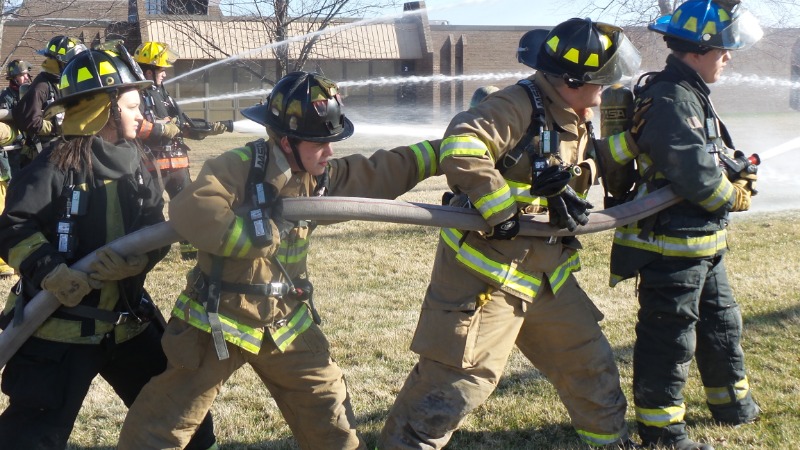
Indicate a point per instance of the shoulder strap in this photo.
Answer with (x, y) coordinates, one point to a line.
(258, 170)
(537, 126)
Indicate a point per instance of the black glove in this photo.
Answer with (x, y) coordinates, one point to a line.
(566, 209)
(506, 230)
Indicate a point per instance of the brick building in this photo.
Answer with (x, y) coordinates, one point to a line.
(407, 68)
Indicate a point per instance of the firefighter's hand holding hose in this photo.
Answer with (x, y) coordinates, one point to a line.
(744, 188)
(566, 209)
(69, 286)
(111, 266)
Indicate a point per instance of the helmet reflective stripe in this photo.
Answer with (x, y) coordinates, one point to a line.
(580, 51)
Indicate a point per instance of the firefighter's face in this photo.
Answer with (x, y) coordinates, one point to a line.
(710, 65)
(130, 116)
(581, 98)
(314, 155)
(157, 76)
(23, 78)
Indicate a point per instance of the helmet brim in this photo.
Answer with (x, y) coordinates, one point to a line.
(62, 104)
(258, 114)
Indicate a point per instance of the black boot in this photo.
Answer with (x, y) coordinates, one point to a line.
(682, 444)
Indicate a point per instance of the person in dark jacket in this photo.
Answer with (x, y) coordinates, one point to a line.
(166, 126)
(28, 113)
(84, 191)
(18, 74)
(686, 305)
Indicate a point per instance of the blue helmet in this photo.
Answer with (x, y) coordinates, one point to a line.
(700, 25)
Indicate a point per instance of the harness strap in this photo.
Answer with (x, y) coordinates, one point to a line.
(212, 307)
(267, 290)
(536, 127)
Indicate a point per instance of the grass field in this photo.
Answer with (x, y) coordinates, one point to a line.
(370, 279)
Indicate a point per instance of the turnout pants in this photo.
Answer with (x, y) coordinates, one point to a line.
(463, 352)
(47, 381)
(307, 385)
(686, 310)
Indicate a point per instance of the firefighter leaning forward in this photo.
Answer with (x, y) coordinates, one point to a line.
(488, 292)
(166, 126)
(686, 306)
(81, 193)
(249, 299)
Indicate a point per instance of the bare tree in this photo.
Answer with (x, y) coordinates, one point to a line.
(41, 19)
(281, 20)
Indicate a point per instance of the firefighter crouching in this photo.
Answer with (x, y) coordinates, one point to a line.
(166, 126)
(249, 300)
(87, 189)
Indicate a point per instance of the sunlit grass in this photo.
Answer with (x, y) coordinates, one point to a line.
(370, 279)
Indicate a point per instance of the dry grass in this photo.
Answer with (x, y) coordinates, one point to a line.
(370, 279)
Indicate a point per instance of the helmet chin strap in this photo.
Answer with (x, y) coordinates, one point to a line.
(117, 117)
(296, 153)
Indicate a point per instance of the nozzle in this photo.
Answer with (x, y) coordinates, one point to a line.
(228, 125)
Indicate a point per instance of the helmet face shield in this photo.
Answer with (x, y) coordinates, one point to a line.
(742, 32)
(580, 51)
(624, 63)
(708, 25)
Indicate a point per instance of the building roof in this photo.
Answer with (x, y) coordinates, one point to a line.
(250, 39)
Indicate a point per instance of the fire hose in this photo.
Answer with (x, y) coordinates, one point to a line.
(337, 209)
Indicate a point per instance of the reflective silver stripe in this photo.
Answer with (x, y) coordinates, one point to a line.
(237, 334)
(660, 417)
(426, 160)
(688, 247)
(597, 439)
(561, 274)
(300, 321)
(502, 274)
(494, 202)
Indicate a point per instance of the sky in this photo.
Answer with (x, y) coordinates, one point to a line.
(552, 12)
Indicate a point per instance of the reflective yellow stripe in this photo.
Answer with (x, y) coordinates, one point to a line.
(242, 152)
(293, 252)
(238, 334)
(426, 160)
(728, 394)
(687, 247)
(299, 323)
(502, 274)
(25, 248)
(660, 417)
(721, 195)
(494, 202)
(561, 274)
(522, 193)
(597, 439)
(619, 149)
(463, 146)
(238, 243)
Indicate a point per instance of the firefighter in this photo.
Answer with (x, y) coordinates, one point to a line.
(249, 300)
(88, 189)
(18, 74)
(521, 150)
(42, 92)
(686, 305)
(166, 126)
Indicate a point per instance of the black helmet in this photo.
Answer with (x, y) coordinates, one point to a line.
(17, 67)
(580, 51)
(93, 72)
(305, 106)
(62, 48)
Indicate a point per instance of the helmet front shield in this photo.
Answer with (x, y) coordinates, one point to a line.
(624, 63)
(743, 31)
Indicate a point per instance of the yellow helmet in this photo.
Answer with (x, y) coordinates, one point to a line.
(154, 54)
